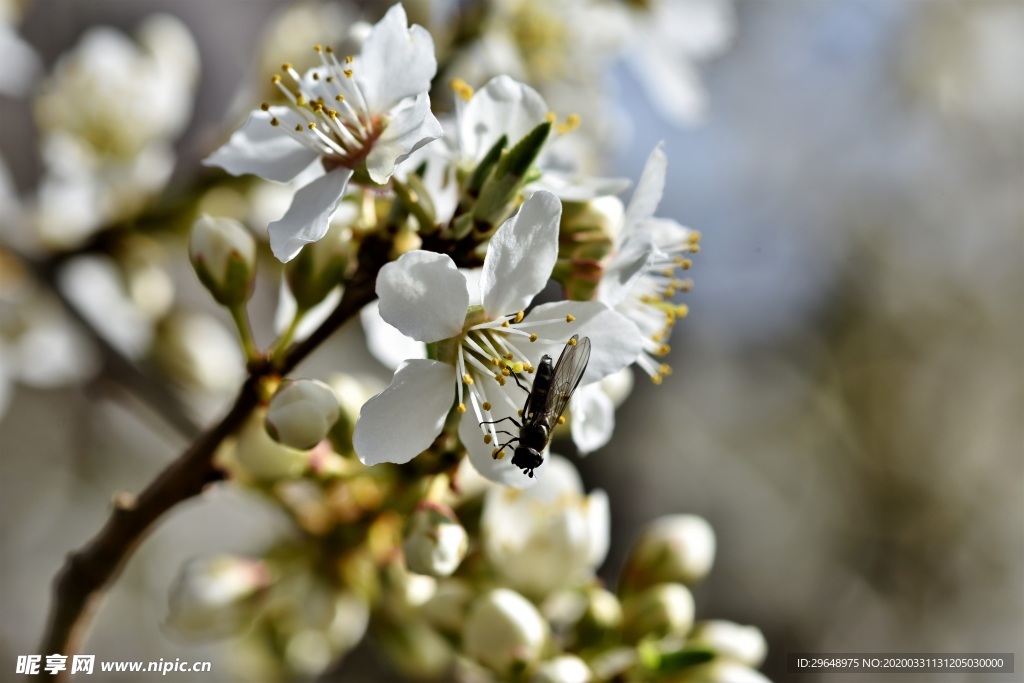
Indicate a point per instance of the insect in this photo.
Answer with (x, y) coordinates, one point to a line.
(553, 386)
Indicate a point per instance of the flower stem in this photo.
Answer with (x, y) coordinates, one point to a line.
(285, 340)
(240, 314)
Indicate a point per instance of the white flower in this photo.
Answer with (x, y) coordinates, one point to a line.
(425, 296)
(670, 36)
(548, 537)
(372, 109)
(107, 117)
(301, 413)
(216, 596)
(503, 628)
(640, 279)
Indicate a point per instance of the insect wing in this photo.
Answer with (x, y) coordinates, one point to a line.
(566, 377)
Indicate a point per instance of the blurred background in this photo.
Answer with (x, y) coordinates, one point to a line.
(847, 402)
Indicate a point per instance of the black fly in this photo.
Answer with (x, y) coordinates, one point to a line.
(553, 386)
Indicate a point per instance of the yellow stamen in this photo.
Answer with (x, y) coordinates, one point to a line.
(685, 265)
(265, 107)
(561, 419)
(462, 407)
(275, 122)
(569, 318)
(519, 317)
(486, 405)
(348, 73)
(517, 367)
(461, 89)
(533, 337)
(275, 79)
(339, 98)
(349, 59)
(286, 66)
(487, 438)
(551, 117)
(318, 48)
(505, 324)
(572, 342)
(467, 379)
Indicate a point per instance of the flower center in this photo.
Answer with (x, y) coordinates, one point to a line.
(335, 119)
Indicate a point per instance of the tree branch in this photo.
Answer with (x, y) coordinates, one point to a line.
(81, 582)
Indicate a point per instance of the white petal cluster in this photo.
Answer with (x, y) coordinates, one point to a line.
(368, 111)
(503, 629)
(216, 596)
(548, 537)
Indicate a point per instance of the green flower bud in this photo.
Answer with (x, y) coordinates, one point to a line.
(223, 254)
(503, 631)
(663, 610)
(301, 413)
(320, 266)
(600, 621)
(675, 548)
(585, 238)
(500, 190)
(435, 542)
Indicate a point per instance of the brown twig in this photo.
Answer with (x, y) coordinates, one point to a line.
(87, 572)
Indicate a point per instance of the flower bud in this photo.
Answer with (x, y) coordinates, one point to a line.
(320, 266)
(301, 413)
(662, 610)
(262, 458)
(675, 548)
(564, 669)
(503, 629)
(601, 619)
(216, 596)
(502, 186)
(196, 350)
(586, 234)
(743, 644)
(223, 254)
(416, 650)
(446, 608)
(435, 542)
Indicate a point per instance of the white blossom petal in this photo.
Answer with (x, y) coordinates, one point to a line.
(402, 421)
(599, 521)
(626, 267)
(423, 295)
(593, 418)
(499, 471)
(412, 126)
(397, 61)
(502, 107)
(385, 342)
(649, 189)
(615, 340)
(521, 255)
(264, 150)
(309, 216)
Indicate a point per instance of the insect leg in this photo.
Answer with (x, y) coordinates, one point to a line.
(520, 384)
(494, 422)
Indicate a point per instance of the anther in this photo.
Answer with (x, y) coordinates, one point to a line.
(349, 59)
(569, 318)
(275, 122)
(462, 407)
(311, 125)
(286, 66)
(551, 117)
(275, 79)
(348, 73)
(572, 342)
(486, 405)
(318, 48)
(487, 438)
(520, 413)
(506, 372)
(467, 379)
(462, 89)
(561, 419)
(298, 127)
(519, 317)
(685, 265)
(533, 337)
(265, 107)
(665, 369)
(509, 356)
(339, 98)
(505, 324)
